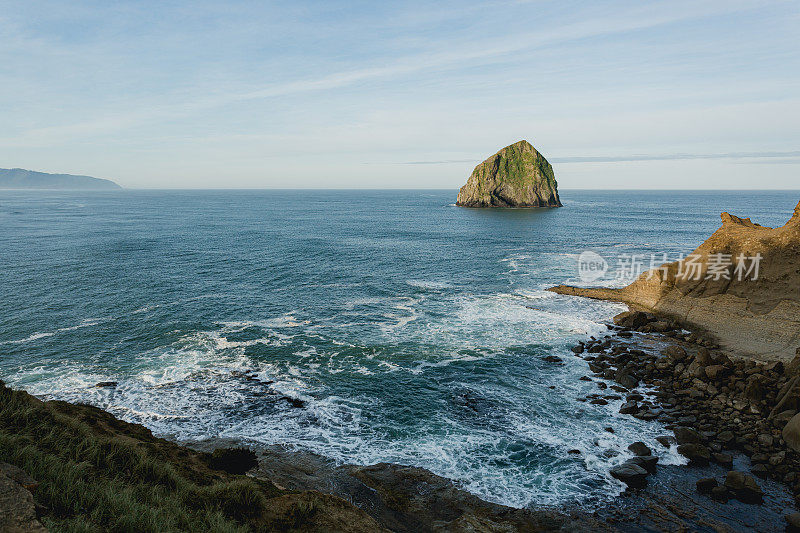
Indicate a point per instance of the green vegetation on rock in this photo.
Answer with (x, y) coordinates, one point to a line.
(516, 176)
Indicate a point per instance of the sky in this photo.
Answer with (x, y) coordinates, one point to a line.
(297, 94)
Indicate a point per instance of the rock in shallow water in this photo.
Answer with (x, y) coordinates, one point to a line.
(743, 487)
(640, 449)
(631, 474)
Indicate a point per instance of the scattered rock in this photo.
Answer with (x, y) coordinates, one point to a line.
(706, 485)
(294, 402)
(684, 435)
(640, 449)
(791, 433)
(792, 522)
(630, 474)
(674, 352)
(697, 454)
(724, 459)
(703, 357)
(743, 487)
(715, 372)
(720, 494)
(648, 462)
(725, 437)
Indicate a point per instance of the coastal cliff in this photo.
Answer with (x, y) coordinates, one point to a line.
(749, 314)
(516, 176)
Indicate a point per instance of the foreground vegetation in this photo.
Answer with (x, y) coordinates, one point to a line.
(97, 473)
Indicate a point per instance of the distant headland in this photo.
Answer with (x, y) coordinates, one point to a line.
(19, 178)
(516, 176)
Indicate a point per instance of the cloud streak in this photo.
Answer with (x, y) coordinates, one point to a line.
(676, 157)
(785, 157)
(469, 54)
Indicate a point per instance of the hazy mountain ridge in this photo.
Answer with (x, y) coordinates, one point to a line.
(20, 178)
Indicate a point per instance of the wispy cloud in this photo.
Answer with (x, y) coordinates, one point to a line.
(674, 157)
(784, 157)
(444, 162)
(450, 56)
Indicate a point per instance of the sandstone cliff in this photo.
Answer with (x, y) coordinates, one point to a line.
(516, 176)
(755, 317)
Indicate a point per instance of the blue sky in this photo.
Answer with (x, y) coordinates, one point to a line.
(631, 94)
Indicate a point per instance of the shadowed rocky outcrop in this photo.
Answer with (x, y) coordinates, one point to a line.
(516, 176)
(754, 317)
(17, 508)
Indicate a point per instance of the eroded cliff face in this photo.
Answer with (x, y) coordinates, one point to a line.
(755, 316)
(516, 176)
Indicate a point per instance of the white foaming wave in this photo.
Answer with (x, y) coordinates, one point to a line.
(535, 295)
(405, 304)
(32, 337)
(505, 319)
(287, 320)
(461, 358)
(431, 285)
(85, 323)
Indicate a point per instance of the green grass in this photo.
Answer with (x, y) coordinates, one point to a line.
(97, 473)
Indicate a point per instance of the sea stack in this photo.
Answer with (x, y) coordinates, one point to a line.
(516, 176)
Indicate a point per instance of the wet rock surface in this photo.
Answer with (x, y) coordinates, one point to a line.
(405, 498)
(733, 419)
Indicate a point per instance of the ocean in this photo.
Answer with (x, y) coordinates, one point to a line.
(405, 329)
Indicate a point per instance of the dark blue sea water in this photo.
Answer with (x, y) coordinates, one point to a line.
(414, 330)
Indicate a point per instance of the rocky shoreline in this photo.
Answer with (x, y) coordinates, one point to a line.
(733, 413)
(727, 417)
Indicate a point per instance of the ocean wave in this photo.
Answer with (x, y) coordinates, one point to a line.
(86, 323)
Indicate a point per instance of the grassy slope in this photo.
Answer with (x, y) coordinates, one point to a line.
(98, 473)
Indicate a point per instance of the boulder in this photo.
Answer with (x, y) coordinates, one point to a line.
(640, 449)
(674, 352)
(791, 433)
(633, 319)
(792, 522)
(697, 454)
(626, 379)
(648, 462)
(715, 372)
(684, 435)
(703, 357)
(233, 460)
(723, 459)
(665, 440)
(720, 494)
(725, 437)
(630, 474)
(743, 487)
(706, 485)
